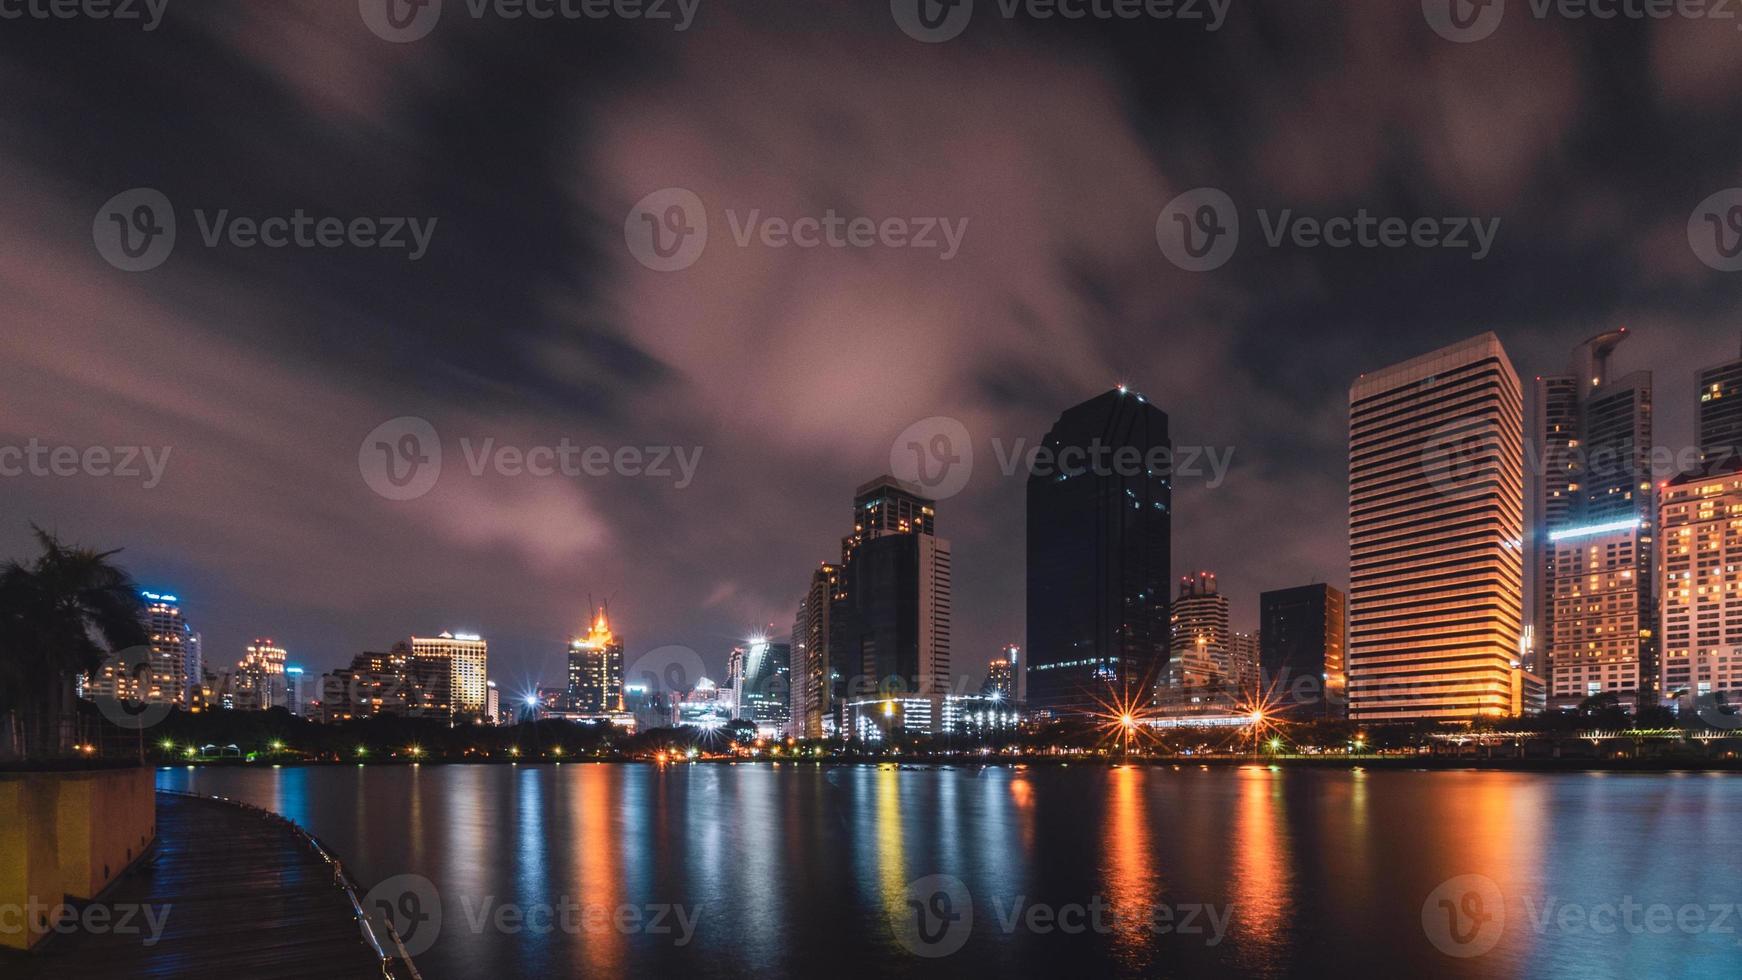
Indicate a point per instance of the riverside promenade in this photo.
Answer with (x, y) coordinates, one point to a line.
(237, 892)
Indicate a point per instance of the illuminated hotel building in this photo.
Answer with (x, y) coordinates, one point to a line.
(1098, 556)
(462, 687)
(1720, 412)
(896, 610)
(1436, 533)
(1000, 680)
(596, 669)
(1702, 587)
(1595, 535)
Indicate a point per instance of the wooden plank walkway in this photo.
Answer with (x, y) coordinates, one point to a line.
(248, 898)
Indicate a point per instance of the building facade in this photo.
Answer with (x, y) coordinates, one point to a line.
(595, 669)
(1099, 515)
(1201, 640)
(1302, 635)
(1720, 412)
(1702, 587)
(259, 681)
(452, 671)
(1436, 534)
(816, 676)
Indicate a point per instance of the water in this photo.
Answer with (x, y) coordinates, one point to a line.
(803, 871)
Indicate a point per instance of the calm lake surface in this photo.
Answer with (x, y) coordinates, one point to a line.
(805, 871)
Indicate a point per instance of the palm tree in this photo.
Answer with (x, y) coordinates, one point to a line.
(61, 616)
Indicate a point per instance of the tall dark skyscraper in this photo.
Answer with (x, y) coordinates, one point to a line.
(895, 572)
(1100, 510)
(1721, 411)
(1594, 534)
(1302, 636)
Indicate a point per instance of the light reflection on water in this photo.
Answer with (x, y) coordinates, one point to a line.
(798, 870)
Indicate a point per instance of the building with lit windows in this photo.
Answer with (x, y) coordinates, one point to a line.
(1099, 515)
(1000, 680)
(762, 693)
(1595, 534)
(1201, 640)
(1436, 535)
(259, 682)
(1721, 412)
(595, 669)
(166, 672)
(896, 607)
(1702, 586)
(452, 671)
(817, 681)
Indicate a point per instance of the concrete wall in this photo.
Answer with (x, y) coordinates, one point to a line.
(67, 835)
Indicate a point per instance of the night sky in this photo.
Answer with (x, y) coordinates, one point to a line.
(530, 321)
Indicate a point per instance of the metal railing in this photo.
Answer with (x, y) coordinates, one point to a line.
(396, 963)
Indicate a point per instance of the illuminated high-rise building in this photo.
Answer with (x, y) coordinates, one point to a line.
(762, 691)
(1000, 683)
(1436, 534)
(896, 581)
(1721, 412)
(259, 681)
(1099, 522)
(596, 669)
(1301, 649)
(1018, 672)
(1594, 534)
(1201, 639)
(817, 680)
(1702, 586)
(162, 674)
(462, 687)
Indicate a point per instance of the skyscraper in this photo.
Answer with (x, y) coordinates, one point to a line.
(596, 669)
(259, 678)
(763, 689)
(816, 676)
(1301, 651)
(1595, 536)
(1018, 673)
(1000, 683)
(1201, 641)
(1436, 535)
(453, 669)
(162, 674)
(1721, 412)
(897, 608)
(1100, 503)
(1702, 587)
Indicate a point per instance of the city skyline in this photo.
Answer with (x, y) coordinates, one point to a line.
(1057, 292)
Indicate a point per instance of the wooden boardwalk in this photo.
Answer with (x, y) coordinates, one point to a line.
(248, 897)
